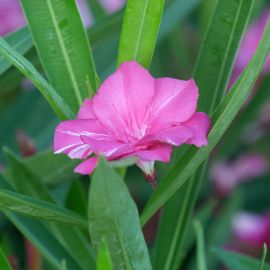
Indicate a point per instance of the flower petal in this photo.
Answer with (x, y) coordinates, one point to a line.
(87, 166)
(68, 135)
(199, 124)
(176, 135)
(161, 152)
(250, 228)
(86, 110)
(175, 102)
(109, 147)
(122, 100)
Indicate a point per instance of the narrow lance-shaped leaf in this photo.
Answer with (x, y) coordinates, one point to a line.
(201, 258)
(249, 114)
(63, 48)
(222, 118)
(218, 51)
(45, 242)
(4, 264)
(212, 72)
(35, 208)
(219, 230)
(139, 31)
(237, 261)
(20, 41)
(113, 216)
(104, 260)
(40, 236)
(56, 102)
(76, 199)
(263, 257)
(51, 169)
(27, 183)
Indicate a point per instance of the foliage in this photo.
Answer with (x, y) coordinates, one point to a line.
(119, 223)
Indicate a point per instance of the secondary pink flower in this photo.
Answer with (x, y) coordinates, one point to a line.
(252, 229)
(112, 5)
(227, 175)
(85, 13)
(134, 115)
(249, 45)
(11, 16)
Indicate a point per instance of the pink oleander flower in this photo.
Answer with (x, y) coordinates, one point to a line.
(227, 175)
(112, 5)
(251, 229)
(249, 45)
(85, 13)
(134, 115)
(11, 16)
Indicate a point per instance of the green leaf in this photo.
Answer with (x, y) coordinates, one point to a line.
(219, 230)
(219, 48)
(63, 48)
(38, 209)
(21, 42)
(139, 31)
(52, 169)
(56, 102)
(4, 263)
(221, 119)
(76, 198)
(249, 114)
(212, 72)
(22, 180)
(25, 182)
(104, 260)
(237, 261)
(263, 257)
(172, 221)
(201, 258)
(41, 237)
(113, 216)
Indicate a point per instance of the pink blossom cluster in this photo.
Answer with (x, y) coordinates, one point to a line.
(252, 230)
(226, 175)
(249, 45)
(11, 16)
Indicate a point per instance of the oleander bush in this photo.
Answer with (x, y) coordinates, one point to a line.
(135, 135)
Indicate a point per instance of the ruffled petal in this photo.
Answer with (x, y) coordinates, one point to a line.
(122, 101)
(175, 102)
(67, 138)
(87, 166)
(176, 136)
(86, 110)
(160, 151)
(109, 147)
(199, 124)
(194, 131)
